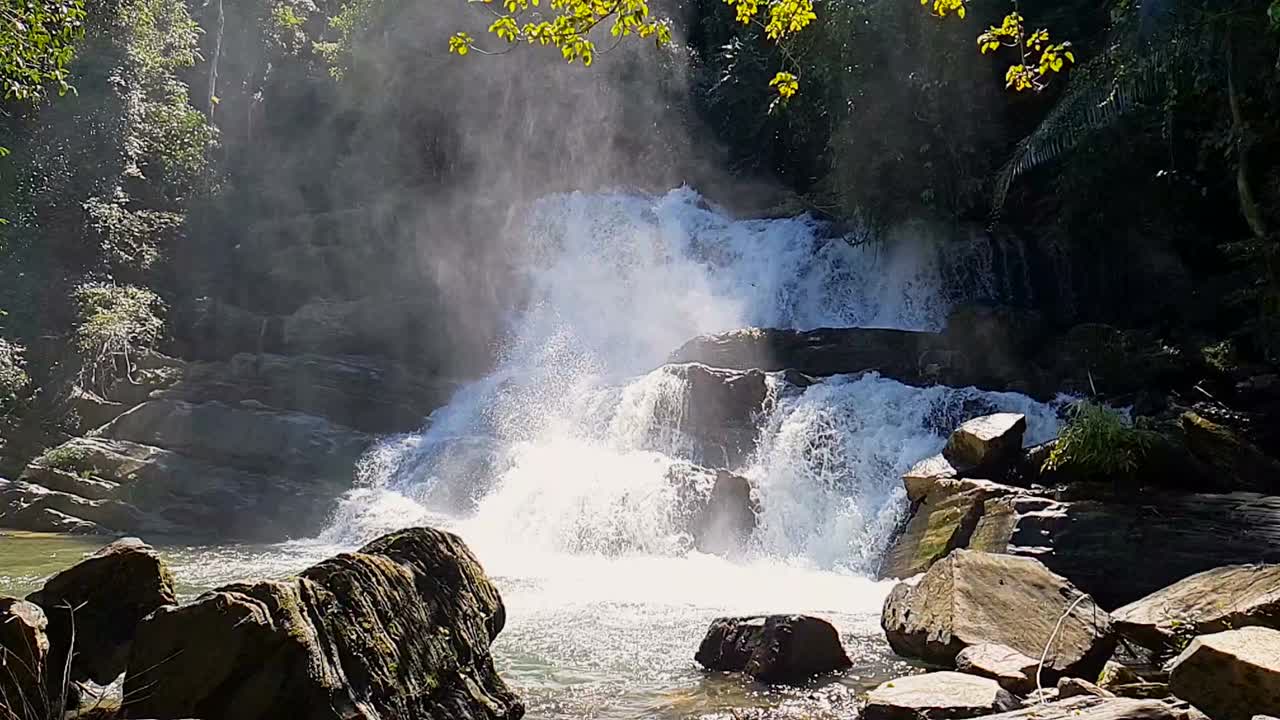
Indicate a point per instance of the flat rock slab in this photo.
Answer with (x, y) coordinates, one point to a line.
(1231, 675)
(773, 648)
(973, 598)
(1088, 707)
(987, 441)
(1228, 597)
(937, 696)
(1014, 671)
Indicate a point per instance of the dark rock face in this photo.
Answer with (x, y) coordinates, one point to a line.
(1231, 675)
(973, 598)
(400, 629)
(718, 411)
(937, 696)
(1230, 456)
(24, 658)
(720, 507)
(359, 392)
(774, 648)
(100, 601)
(118, 486)
(1228, 597)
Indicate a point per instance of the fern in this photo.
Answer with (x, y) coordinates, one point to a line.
(1137, 70)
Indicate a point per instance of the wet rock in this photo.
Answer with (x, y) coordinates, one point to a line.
(1230, 675)
(718, 411)
(720, 507)
(399, 629)
(1228, 597)
(1088, 707)
(100, 601)
(989, 441)
(972, 598)
(945, 519)
(773, 648)
(1014, 671)
(1069, 687)
(937, 696)
(24, 658)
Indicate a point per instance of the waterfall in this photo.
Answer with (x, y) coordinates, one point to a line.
(559, 452)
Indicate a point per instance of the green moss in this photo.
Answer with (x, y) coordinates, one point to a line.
(69, 458)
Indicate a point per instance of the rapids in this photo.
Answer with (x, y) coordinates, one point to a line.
(553, 467)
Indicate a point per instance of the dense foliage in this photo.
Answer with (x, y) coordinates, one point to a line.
(37, 42)
(1098, 442)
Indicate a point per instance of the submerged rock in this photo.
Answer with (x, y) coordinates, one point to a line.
(1014, 671)
(24, 659)
(773, 648)
(937, 696)
(974, 598)
(399, 629)
(99, 602)
(1228, 597)
(1231, 675)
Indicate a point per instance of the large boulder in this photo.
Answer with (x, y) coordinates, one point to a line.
(988, 441)
(937, 696)
(973, 598)
(1231, 675)
(95, 606)
(1014, 671)
(719, 507)
(773, 648)
(24, 659)
(1228, 597)
(399, 629)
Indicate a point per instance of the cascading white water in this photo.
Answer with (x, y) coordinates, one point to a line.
(554, 467)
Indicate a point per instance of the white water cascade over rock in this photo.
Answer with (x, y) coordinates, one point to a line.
(554, 467)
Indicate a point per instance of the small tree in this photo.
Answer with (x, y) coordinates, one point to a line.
(116, 321)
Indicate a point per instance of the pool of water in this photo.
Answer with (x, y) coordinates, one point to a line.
(586, 637)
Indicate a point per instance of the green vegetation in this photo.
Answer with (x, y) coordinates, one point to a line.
(37, 43)
(13, 376)
(115, 322)
(68, 458)
(1098, 442)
